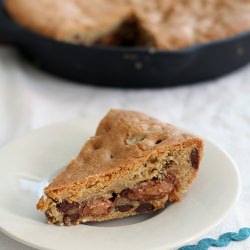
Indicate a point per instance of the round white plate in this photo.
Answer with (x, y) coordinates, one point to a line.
(28, 163)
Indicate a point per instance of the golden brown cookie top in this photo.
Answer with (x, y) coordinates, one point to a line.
(167, 24)
(122, 139)
(69, 19)
(178, 24)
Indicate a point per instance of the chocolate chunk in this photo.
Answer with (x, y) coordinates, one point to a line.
(73, 217)
(144, 207)
(158, 141)
(125, 193)
(124, 208)
(70, 210)
(194, 158)
(114, 195)
(64, 206)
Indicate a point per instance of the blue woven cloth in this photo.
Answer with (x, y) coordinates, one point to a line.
(223, 240)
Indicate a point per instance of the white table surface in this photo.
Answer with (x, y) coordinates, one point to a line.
(219, 109)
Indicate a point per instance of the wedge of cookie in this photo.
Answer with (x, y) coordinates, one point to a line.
(134, 164)
(75, 21)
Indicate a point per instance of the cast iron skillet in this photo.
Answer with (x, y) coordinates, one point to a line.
(127, 67)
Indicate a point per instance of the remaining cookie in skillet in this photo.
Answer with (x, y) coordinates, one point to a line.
(165, 24)
(176, 24)
(75, 21)
(134, 164)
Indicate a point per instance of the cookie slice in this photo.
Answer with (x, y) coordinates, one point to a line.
(134, 164)
(78, 21)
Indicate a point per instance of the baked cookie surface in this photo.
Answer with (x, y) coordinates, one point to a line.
(133, 164)
(165, 24)
(75, 21)
(176, 24)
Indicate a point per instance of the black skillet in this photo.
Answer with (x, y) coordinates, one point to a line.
(127, 67)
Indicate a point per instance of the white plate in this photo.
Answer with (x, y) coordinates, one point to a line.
(29, 162)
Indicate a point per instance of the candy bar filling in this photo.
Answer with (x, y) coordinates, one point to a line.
(136, 199)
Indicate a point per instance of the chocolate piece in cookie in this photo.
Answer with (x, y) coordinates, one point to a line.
(194, 157)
